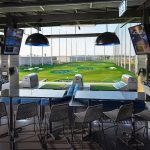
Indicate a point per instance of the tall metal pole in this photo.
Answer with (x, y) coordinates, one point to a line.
(94, 50)
(125, 50)
(130, 54)
(104, 52)
(42, 51)
(66, 50)
(85, 50)
(118, 46)
(76, 43)
(30, 50)
(59, 47)
(51, 49)
(121, 47)
(71, 50)
(104, 46)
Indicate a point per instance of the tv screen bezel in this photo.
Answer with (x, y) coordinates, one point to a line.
(5, 38)
(148, 39)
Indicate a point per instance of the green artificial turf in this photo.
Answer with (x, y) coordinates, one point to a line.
(91, 71)
(102, 87)
(53, 86)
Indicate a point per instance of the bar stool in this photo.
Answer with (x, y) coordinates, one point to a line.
(27, 111)
(92, 113)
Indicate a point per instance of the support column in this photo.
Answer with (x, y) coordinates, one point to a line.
(13, 63)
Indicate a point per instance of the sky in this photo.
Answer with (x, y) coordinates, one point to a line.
(81, 45)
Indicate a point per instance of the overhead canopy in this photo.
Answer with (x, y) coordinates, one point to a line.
(35, 13)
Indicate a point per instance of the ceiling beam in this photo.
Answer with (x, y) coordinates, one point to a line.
(72, 17)
(72, 35)
(54, 2)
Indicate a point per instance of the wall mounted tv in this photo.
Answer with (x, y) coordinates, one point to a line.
(12, 42)
(140, 39)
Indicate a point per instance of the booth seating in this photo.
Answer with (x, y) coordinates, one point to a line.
(15, 100)
(29, 100)
(30, 81)
(127, 83)
(39, 101)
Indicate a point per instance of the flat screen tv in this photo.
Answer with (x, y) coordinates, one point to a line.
(12, 42)
(140, 39)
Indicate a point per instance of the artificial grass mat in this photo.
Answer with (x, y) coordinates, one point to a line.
(95, 71)
(54, 86)
(93, 87)
(102, 87)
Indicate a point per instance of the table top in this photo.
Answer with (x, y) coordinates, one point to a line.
(106, 95)
(41, 93)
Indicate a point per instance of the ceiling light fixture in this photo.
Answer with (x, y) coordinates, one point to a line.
(107, 38)
(37, 39)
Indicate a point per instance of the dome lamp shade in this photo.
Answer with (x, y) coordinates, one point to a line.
(107, 38)
(37, 39)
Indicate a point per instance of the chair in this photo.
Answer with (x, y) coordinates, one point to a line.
(3, 113)
(124, 113)
(91, 114)
(143, 116)
(58, 113)
(26, 111)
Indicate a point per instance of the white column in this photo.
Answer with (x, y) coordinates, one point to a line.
(13, 62)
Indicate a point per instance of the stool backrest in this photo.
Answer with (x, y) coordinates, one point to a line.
(26, 111)
(93, 113)
(3, 111)
(59, 112)
(125, 112)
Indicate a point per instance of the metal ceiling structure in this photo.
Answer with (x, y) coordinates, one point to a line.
(36, 13)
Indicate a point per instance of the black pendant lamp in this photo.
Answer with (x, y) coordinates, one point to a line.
(37, 39)
(107, 38)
